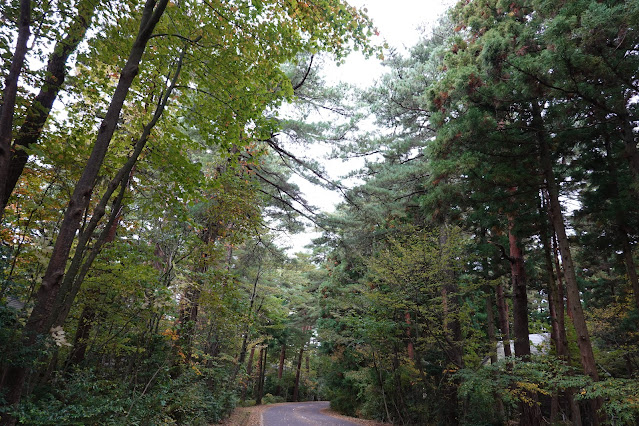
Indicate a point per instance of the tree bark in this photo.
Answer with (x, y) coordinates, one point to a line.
(80, 342)
(297, 375)
(249, 370)
(280, 370)
(520, 296)
(502, 313)
(188, 320)
(558, 301)
(555, 297)
(530, 411)
(242, 356)
(572, 287)
(490, 327)
(38, 111)
(9, 95)
(556, 309)
(261, 367)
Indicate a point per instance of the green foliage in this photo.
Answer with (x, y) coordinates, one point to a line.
(86, 398)
(621, 396)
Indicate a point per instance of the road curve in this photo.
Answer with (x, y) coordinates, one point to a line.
(301, 414)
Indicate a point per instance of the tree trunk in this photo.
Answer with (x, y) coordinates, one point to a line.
(381, 386)
(556, 307)
(555, 298)
(249, 370)
(7, 110)
(297, 375)
(530, 411)
(558, 318)
(502, 313)
(492, 337)
(188, 321)
(248, 323)
(572, 287)
(257, 392)
(490, 326)
(80, 342)
(38, 111)
(520, 296)
(280, 370)
(261, 367)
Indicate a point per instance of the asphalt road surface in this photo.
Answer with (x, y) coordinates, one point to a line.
(301, 414)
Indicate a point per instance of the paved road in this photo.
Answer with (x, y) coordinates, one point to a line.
(301, 414)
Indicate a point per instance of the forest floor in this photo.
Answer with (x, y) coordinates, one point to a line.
(252, 416)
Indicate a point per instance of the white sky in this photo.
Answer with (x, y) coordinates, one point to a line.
(400, 23)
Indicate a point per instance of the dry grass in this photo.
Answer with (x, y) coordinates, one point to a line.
(335, 414)
(246, 416)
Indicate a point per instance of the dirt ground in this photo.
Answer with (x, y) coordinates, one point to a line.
(252, 416)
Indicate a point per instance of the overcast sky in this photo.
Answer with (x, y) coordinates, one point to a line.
(400, 23)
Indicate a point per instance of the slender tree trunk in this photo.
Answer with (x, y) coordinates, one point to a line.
(81, 263)
(38, 111)
(492, 337)
(490, 326)
(280, 370)
(261, 367)
(188, 321)
(572, 287)
(81, 340)
(9, 95)
(88, 315)
(297, 375)
(556, 313)
(381, 386)
(557, 300)
(249, 371)
(583, 337)
(257, 392)
(631, 267)
(240, 360)
(520, 296)
(530, 411)
(502, 311)
(452, 330)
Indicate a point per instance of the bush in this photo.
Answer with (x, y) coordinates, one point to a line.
(85, 398)
(271, 399)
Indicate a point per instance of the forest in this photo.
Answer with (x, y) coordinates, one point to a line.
(481, 268)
